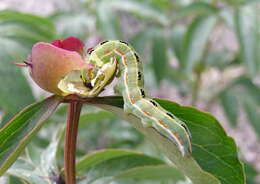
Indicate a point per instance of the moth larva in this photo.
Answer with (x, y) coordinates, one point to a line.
(135, 100)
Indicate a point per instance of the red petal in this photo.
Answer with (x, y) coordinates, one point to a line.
(57, 43)
(72, 44)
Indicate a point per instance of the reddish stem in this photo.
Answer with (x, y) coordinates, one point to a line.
(71, 142)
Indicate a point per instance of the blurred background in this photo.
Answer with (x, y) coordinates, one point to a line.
(204, 54)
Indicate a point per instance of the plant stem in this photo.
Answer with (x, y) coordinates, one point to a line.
(71, 142)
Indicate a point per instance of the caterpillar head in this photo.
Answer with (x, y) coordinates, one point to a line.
(88, 82)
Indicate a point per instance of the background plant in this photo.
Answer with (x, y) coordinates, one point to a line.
(203, 53)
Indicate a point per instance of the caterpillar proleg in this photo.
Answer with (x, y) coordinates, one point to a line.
(131, 87)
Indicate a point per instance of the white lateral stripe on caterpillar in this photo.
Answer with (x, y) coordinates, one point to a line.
(172, 135)
(130, 86)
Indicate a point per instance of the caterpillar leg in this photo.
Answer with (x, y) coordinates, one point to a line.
(127, 109)
(118, 88)
(130, 109)
(147, 123)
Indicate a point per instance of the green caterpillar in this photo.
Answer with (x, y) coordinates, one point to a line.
(131, 87)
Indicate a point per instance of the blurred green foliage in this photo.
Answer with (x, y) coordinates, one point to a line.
(180, 44)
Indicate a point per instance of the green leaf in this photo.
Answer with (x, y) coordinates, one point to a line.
(138, 8)
(221, 59)
(119, 164)
(18, 32)
(253, 112)
(25, 27)
(39, 166)
(214, 153)
(25, 171)
(48, 161)
(140, 41)
(244, 87)
(158, 4)
(108, 154)
(151, 174)
(13, 81)
(17, 133)
(102, 128)
(96, 116)
(247, 30)
(159, 57)
(108, 22)
(73, 24)
(240, 2)
(230, 105)
(177, 40)
(250, 88)
(195, 42)
(251, 174)
(14, 179)
(195, 9)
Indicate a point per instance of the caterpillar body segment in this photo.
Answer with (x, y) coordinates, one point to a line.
(131, 87)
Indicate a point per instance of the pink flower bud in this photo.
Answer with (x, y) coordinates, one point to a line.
(49, 63)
